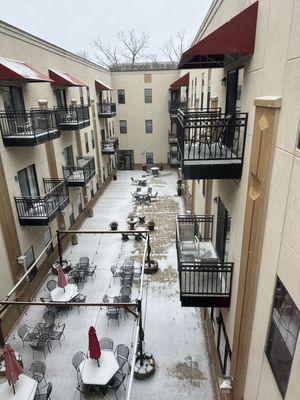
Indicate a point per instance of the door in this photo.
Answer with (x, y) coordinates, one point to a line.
(125, 159)
(231, 92)
(28, 182)
(223, 230)
(61, 98)
(69, 156)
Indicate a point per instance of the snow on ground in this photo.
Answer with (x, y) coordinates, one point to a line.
(174, 335)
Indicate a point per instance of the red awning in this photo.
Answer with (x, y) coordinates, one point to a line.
(13, 70)
(60, 78)
(182, 81)
(101, 86)
(232, 40)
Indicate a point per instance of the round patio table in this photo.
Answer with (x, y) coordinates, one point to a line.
(155, 171)
(132, 222)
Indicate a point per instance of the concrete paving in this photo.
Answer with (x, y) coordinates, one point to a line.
(174, 335)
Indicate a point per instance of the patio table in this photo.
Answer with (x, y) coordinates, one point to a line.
(91, 374)
(25, 388)
(64, 295)
(142, 181)
(155, 171)
(132, 222)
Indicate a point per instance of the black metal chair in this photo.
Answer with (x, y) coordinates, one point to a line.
(38, 370)
(124, 294)
(84, 261)
(25, 335)
(77, 359)
(44, 396)
(41, 344)
(106, 343)
(80, 298)
(112, 313)
(56, 334)
(52, 284)
(115, 271)
(122, 354)
(116, 382)
(91, 271)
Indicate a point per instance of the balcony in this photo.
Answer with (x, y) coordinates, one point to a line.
(73, 117)
(212, 144)
(204, 280)
(174, 159)
(172, 138)
(106, 110)
(28, 128)
(81, 174)
(40, 211)
(174, 105)
(110, 145)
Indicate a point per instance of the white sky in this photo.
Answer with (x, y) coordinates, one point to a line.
(72, 24)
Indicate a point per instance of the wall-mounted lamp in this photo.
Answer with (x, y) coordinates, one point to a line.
(224, 81)
(225, 384)
(215, 199)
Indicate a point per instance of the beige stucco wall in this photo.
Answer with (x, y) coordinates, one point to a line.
(273, 70)
(135, 112)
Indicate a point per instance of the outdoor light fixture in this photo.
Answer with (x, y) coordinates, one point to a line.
(223, 81)
(215, 199)
(21, 260)
(225, 384)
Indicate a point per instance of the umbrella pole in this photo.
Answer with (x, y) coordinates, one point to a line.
(98, 362)
(14, 388)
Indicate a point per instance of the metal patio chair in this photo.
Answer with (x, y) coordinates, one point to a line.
(122, 354)
(38, 370)
(124, 294)
(115, 271)
(41, 344)
(25, 335)
(57, 333)
(106, 343)
(77, 359)
(52, 284)
(44, 396)
(115, 383)
(80, 298)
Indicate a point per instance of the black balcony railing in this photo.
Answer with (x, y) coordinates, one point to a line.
(110, 145)
(106, 110)
(174, 105)
(204, 280)
(28, 128)
(73, 117)
(42, 209)
(81, 174)
(172, 137)
(212, 144)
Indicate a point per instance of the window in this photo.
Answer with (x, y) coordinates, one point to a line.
(282, 336)
(223, 347)
(223, 232)
(103, 135)
(203, 187)
(69, 156)
(81, 96)
(86, 139)
(88, 95)
(47, 239)
(13, 98)
(149, 158)
(61, 98)
(147, 78)
(29, 260)
(79, 203)
(148, 126)
(93, 139)
(148, 95)
(28, 182)
(174, 128)
(121, 96)
(123, 126)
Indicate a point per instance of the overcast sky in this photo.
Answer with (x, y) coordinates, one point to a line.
(72, 24)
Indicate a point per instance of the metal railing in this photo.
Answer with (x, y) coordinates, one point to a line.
(81, 173)
(106, 109)
(28, 123)
(212, 279)
(43, 207)
(72, 115)
(212, 135)
(174, 105)
(110, 145)
(172, 137)
(190, 225)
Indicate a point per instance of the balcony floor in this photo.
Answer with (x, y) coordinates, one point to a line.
(175, 335)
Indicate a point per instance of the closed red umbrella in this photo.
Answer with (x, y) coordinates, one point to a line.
(12, 368)
(61, 278)
(94, 346)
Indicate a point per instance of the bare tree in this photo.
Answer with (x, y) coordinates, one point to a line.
(175, 46)
(83, 54)
(130, 51)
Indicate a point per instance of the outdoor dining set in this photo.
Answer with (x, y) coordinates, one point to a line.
(144, 197)
(102, 369)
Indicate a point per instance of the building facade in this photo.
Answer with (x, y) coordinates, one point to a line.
(240, 162)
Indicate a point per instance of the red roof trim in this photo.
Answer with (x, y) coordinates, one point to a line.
(14, 70)
(235, 37)
(182, 81)
(60, 78)
(101, 86)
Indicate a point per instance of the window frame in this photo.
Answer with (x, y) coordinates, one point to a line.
(27, 265)
(147, 96)
(86, 141)
(123, 129)
(147, 126)
(121, 96)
